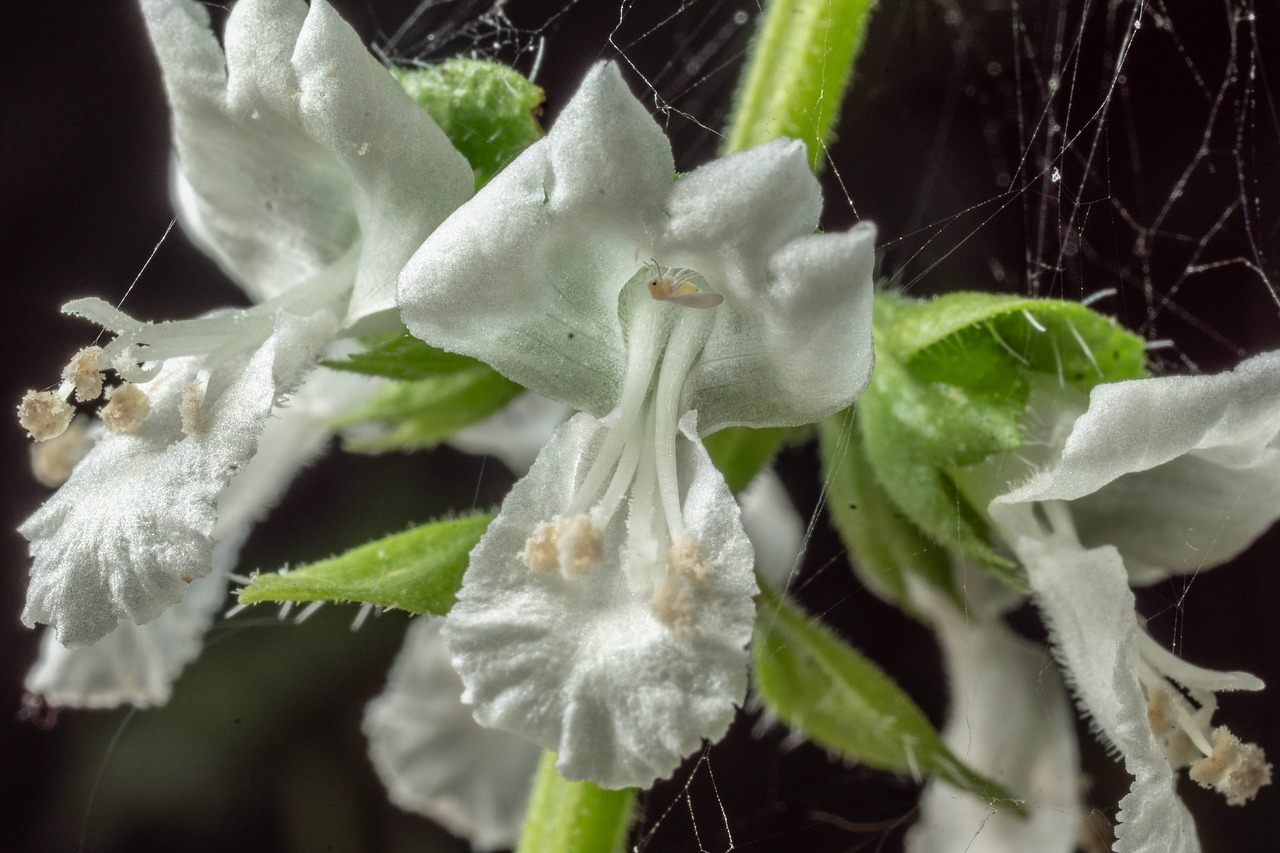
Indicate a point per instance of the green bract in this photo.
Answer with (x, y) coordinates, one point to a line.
(419, 570)
(841, 701)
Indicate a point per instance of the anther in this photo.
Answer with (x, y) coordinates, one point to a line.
(1234, 769)
(127, 407)
(53, 461)
(44, 415)
(82, 372)
(673, 605)
(580, 546)
(687, 560)
(540, 551)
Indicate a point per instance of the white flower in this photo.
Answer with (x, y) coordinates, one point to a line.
(1010, 720)
(435, 759)
(138, 664)
(310, 176)
(1157, 477)
(605, 613)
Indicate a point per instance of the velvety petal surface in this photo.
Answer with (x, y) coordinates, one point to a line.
(582, 667)
(1089, 608)
(297, 146)
(435, 760)
(134, 523)
(526, 275)
(138, 664)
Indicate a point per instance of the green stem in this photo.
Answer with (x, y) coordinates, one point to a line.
(574, 817)
(800, 65)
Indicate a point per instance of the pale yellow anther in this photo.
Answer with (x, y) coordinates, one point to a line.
(687, 560)
(580, 546)
(44, 415)
(1234, 769)
(127, 408)
(53, 461)
(540, 553)
(673, 605)
(82, 372)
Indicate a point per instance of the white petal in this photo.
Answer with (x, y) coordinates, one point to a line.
(774, 527)
(301, 147)
(515, 434)
(582, 667)
(1010, 720)
(138, 664)
(526, 275)
(134, 664)
(134, 523)
(1085, 598)
(798, 347)
(405, 175)
(433, 757)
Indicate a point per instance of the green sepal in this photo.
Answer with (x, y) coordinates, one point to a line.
(831, 694)
(421, 414)
(574, 817)
(739, 453)
(488, 110)
(987, 342)
(915, 434)
(419, 570)
(404, 357)
(883, 544)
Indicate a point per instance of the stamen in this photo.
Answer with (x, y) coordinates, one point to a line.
(53, 461)
(687, 560)
(82, 372)
(192, 401)
(127, 408)
(44, 415)
(673, 605)
(580, 546)
(1232, 768)
(541, 553)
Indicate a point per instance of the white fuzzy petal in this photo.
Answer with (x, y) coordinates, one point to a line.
(1010, 720)
(1085, 598)
(138, 664)
(583, 667)
(435, 759)
(134, 523)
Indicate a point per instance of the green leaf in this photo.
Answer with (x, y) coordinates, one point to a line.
(419, 570)
(915, 434)
(844, 703)
(986, 343)
(884, 545)
(800, 65)
(741, 452)
(403, 357)
(574, 817)
(421, 414)
(488, 110)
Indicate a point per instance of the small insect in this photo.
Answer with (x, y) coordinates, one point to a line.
(680, 287)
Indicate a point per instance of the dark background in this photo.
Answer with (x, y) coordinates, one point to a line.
(260, 748)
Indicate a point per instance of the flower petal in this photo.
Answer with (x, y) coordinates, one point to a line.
(134, 523)
(405, 175)
(582, 667)
(1180, 473)
(433, 757)
(1085, 598)
(526, 275)
(796, 346)
(138, 664)
(303, 146)
(1010, 720)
